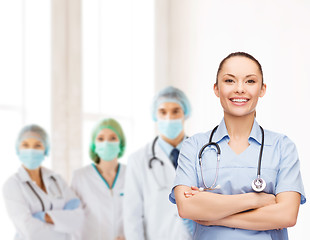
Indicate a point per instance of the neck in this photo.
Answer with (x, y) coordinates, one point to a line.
(239, 127)
(174, 142)
(34, 174)
(107, 167)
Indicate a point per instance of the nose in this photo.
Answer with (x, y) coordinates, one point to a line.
(240, 87)
(169, 116)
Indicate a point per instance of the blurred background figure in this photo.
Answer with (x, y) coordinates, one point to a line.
(151, 171)
(100, 184)
(38, 201)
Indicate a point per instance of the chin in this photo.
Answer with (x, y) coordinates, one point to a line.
(240, 113)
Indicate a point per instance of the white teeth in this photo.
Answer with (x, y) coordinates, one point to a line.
(239, 100)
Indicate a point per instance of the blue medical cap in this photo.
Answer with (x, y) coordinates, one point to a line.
(33, 131)
(171, 94)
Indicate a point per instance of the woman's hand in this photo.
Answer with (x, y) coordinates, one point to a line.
(48, 219)
(265, 199)
(194, 190)
(120, 238)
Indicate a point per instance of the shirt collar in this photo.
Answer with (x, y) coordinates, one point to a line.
(166, 147)
(221, 132)
(256, 132)
(24, 176)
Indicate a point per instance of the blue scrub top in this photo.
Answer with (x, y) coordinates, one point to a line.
(280, 170)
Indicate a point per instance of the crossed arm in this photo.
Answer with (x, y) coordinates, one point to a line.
(252, 211)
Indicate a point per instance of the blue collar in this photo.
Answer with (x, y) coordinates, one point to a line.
(166, 147)
(222, 133)
(105, 181)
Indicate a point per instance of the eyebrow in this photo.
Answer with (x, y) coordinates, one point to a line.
(250, 75)
(229, 75)
(171, 109)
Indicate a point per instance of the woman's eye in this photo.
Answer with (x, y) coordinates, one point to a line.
(113, 138)
(229, 80)
(100, 139)
(250, 81)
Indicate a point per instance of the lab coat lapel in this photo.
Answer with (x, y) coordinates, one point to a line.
(169, 169)
(52, 186)
(23, 175)
(161, 155)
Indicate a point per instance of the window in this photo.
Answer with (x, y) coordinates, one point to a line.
(118, 68)
(24, 80)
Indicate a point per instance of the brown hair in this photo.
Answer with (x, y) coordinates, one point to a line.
(240, 54)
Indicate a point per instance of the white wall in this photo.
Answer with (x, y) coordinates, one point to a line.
(277, 33)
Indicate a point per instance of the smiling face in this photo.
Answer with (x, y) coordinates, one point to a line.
(239, 85)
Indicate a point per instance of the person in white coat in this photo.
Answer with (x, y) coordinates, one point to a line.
(148, 214)
(100, 184)
(38, 201)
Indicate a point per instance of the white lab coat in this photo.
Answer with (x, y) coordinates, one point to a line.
(21, 202)
(102, 205)
(148, 213)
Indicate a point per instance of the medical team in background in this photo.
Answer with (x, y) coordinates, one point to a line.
(110, 201)
(148, 214)
(100, 185)
(39, 202)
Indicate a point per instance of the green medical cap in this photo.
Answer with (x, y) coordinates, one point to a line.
(112, 124)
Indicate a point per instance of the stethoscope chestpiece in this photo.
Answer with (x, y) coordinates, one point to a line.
(258, 184)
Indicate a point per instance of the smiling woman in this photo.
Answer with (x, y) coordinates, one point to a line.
(227, 211)
(239, 83)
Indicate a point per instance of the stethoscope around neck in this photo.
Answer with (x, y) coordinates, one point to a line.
(258, 184)
(38, 196)
(150, 165)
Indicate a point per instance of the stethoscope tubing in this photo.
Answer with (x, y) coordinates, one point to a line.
(38, 196)
(260, 153)
(155, 158)
(258, 184)
(153, 154)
